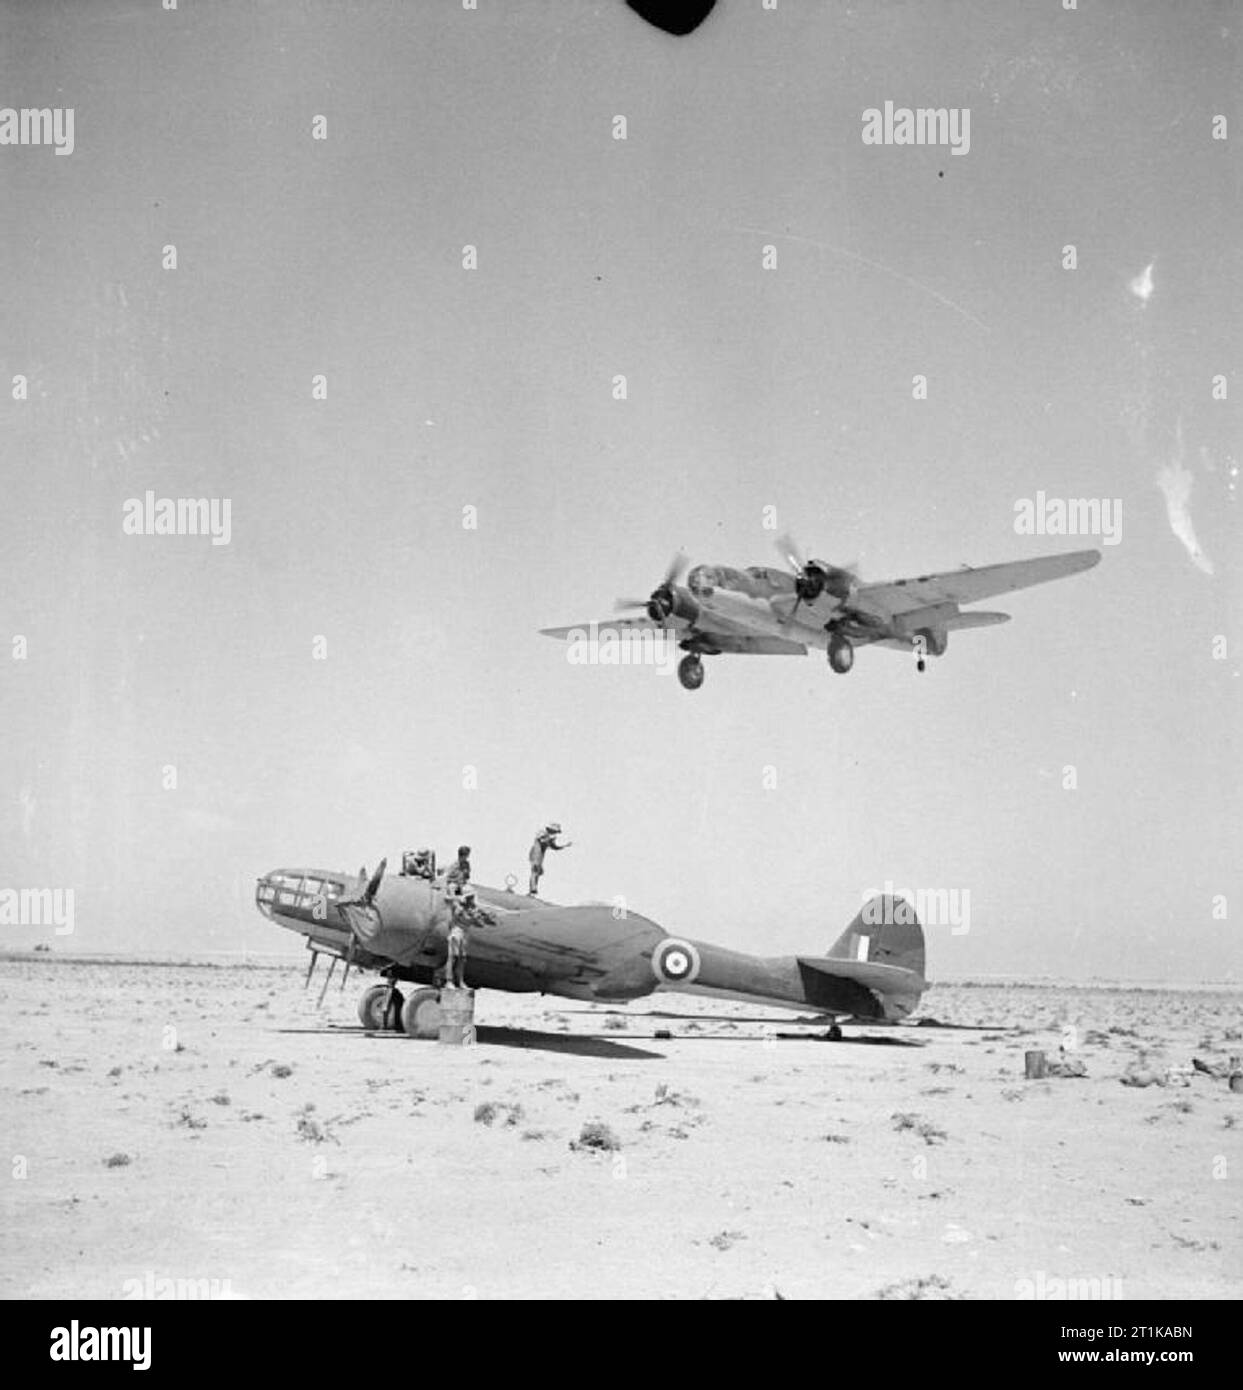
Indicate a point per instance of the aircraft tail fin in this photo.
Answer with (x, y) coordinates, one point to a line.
(885, 931)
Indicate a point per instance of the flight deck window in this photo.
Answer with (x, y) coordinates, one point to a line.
(288, 889)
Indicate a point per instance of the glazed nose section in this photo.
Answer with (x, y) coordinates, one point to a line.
(295, 893)
(266, 890)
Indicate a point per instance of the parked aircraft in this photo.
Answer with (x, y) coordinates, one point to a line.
(398, 927)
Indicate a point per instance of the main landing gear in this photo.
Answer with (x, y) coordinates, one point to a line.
(691, 671)
(420, 1014)
(380, 1008)
(383, 1008)
(841, 653)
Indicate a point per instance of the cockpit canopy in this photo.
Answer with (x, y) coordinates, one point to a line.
(758, 582)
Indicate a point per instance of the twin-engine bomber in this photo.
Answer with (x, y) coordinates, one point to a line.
(763, 611)
(398, 926)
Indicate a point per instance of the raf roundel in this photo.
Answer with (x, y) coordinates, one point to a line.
(675, 962)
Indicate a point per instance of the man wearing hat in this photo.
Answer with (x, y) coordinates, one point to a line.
(545, 840)
(459, 872)
(464, 914)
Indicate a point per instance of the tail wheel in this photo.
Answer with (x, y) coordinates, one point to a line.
(420, 1014)
(841, 654)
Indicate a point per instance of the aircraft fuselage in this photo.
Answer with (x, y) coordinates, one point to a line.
(592, 952)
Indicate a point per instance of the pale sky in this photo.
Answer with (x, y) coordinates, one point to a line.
(747, 388)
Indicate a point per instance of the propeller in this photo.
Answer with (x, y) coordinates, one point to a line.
(814, 577)
(373, 887)
(662, 601)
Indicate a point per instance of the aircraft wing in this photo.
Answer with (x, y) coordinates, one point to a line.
(755, 646)
(893, 598)
(587, 632)
(712, 639)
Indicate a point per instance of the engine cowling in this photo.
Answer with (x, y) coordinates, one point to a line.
(935, 640)
(671, 601)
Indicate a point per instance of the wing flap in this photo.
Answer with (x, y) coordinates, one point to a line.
(755, 646)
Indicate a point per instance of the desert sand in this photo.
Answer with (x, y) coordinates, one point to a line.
(209, 1130)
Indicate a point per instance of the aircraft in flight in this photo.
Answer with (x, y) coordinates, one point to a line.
(398, 926)
(769, 611)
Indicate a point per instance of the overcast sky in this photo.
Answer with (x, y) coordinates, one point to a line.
(747, 388)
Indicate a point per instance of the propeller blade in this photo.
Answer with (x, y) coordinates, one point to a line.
(787, 548)
(620, 605)
(374, 886)
(676, 569)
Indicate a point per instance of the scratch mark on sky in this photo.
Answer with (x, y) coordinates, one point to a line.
(876, 265)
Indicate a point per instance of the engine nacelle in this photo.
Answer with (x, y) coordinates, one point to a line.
(672, 601)
(684, 606)
(934, 640)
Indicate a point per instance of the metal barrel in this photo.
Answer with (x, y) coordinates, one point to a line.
(457, 1017)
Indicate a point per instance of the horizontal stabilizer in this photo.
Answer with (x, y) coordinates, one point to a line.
(884, 979)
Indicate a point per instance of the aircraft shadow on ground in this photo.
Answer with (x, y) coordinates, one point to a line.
(803, 1021)
(582, 1045)
(594, 1045)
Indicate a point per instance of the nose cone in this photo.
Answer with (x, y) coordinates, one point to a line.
(302, 894)
(267, 888)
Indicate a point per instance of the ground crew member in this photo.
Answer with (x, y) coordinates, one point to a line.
(419, 863)
(455, 966)
(545, 840)
(459, 871)
(465, 915)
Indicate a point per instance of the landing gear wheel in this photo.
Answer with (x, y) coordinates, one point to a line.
(371, 1007)
(841, 654)
(392, 1019)
(921, 664)
(376, 1013)
(420, 1014)
(835, 1033)
(691, 672)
